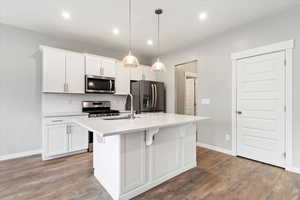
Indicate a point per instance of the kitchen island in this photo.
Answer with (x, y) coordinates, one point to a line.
(133, 156)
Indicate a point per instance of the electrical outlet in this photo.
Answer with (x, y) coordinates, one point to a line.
(227, 137)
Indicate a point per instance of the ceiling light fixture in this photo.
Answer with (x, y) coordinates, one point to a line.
(66, 15)
(158, 66)
(202, 16)
(150, 42)
(130, 60)
(116, 31)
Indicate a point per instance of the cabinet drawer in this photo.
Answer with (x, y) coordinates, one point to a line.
(60, 120)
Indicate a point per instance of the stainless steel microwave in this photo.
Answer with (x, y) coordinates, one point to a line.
(99, 84)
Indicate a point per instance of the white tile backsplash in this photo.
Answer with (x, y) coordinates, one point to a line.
(54, 103)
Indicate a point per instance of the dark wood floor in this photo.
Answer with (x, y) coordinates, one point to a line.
(218, 176)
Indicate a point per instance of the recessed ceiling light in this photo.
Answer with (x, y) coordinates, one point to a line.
(66, 15)
(150, 42)
(116, 31)
(202, 16)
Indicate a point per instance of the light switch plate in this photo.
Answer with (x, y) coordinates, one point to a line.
(227, 137)
(205, 101)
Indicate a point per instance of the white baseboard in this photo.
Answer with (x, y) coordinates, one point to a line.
(293, 169)
(20, 155)
(215, 148)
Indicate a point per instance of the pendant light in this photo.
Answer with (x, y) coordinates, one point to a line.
(130, 60)
(158, 66)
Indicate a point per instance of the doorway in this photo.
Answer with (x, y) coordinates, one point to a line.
(262, 104)
(185, 84)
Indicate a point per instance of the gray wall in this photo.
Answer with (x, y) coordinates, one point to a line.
(215, 73)
(20, 98)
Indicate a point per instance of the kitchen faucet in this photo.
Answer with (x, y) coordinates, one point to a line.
(131, 107)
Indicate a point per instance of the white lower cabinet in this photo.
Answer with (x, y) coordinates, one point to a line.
(165, 153)
(61, 137)
(172, 152)
(78, 138)
(57, 139)
(133, 161)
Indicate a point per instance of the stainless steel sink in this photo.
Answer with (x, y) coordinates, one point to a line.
(118, 118)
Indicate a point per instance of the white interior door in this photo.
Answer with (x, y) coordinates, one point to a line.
(189, 99)
(260, 108)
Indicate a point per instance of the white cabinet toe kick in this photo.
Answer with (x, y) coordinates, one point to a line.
(141, 160)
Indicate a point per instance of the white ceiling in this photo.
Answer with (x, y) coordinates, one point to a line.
(93, 20)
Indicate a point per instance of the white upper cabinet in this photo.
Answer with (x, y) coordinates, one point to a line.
(136, 74)
(92, 65)
(54, 66)
(63, 71)
(100, 66)
(108, 67)
(75, 72)
(122, 79)
(148, 74)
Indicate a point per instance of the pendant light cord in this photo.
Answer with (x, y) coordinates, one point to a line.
(130, 43)
(158, 39)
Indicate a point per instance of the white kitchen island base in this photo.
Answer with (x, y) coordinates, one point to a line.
(133, 156)
(132, 167)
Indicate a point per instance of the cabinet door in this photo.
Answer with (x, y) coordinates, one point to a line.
(75, 73)
(133, 160)
(78, 138)
(189, 144)
(92, 65)
(122, 79)
(108, 67)
(136, 74)
(165, 153)
(57, 139)
(148, 74)
(53, 70)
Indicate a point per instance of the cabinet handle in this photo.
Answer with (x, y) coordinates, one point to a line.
(69, 130)
(59, 120)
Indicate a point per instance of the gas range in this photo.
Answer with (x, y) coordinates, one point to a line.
(98, 109)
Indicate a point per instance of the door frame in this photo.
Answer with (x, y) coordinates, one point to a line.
(287, 47)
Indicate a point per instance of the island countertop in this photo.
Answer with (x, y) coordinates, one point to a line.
(142, 122)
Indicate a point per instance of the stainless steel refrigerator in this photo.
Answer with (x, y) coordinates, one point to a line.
(148, 96)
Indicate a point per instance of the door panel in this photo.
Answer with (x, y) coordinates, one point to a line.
(160, 100)
(78, 138)
(260, 98)
(53, 70)
(75, 73)
(109, 68)
(165, 153)
(147, 95)
(57, 140)
(92, 66)
(133, 161)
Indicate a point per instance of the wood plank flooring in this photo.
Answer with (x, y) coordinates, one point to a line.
(218, 176)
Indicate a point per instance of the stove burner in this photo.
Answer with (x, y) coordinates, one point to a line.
(98, 109)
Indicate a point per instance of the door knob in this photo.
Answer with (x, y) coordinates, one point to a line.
(239, 112)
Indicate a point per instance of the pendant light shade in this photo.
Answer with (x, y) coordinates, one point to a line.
(130, 60)
(158, 66)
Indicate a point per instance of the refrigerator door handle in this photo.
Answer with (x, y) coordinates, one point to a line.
(155, 86)
(152, 95)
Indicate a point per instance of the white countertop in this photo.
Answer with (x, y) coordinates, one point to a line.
(64, 114)
(142, 122)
